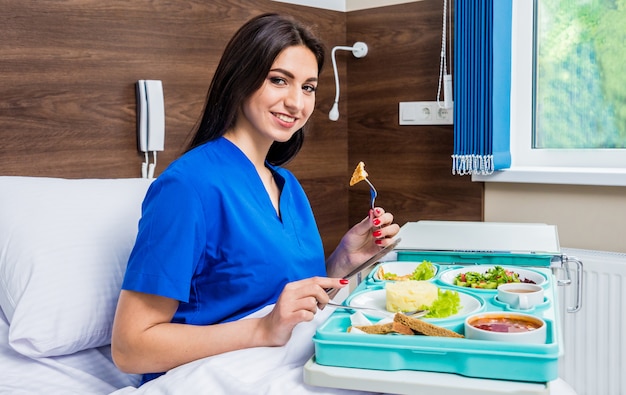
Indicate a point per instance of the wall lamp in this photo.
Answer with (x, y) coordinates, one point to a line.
(359, 50)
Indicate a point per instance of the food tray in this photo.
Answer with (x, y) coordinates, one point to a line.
(334, 346)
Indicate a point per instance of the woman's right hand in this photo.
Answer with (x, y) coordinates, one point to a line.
(298, 303)
(145, 340)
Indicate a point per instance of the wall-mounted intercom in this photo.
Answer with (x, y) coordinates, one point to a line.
(150, 123)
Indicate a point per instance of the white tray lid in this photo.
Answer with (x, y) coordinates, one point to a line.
(488, 237)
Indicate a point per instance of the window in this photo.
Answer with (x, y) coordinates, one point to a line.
(568, 93)
(579, 87)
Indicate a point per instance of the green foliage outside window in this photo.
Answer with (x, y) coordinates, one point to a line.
(580, 91)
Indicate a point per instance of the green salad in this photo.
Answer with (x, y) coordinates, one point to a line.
(489, 280)
(423, 271)
(448, 303)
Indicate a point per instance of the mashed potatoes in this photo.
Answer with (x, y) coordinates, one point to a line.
(409, 295)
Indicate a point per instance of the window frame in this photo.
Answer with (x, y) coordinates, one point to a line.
(552, 166)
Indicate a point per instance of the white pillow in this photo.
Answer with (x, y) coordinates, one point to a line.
(64, 245)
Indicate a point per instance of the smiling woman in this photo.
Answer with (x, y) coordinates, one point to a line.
(284, 102)
(225, 230)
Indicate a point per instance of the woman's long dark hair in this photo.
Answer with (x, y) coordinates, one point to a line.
(244, 66)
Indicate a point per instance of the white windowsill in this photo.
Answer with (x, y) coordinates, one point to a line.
(558, 175)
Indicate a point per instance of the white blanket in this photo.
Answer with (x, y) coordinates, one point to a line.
(88, 372)
(255, 371)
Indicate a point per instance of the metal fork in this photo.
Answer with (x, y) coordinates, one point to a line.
(373, 192)
(415, 313)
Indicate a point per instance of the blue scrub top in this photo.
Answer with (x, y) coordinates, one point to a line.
(210, 237)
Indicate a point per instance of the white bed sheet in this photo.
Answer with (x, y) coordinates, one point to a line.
(83, 373)
(265, 370)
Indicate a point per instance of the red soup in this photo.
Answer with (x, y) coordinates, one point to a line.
(505, 324)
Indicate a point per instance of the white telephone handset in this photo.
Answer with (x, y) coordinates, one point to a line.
(150, 122)
(142, 125)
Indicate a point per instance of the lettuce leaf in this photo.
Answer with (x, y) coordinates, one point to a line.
(423, 271)
(448, 303)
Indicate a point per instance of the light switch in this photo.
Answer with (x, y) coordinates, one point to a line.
(408, 113)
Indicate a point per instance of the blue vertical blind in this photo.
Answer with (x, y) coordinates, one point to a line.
(482, 87)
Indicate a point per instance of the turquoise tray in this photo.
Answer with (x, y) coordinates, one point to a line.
(334, 346)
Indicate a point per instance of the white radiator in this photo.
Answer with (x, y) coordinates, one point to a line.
(594, 338)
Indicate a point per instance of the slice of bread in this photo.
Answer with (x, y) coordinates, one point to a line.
(383, 329)
(424, 328)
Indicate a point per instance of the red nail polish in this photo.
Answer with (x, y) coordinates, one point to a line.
(376, 222)
(344, 281)
(377, 211)
(377, 233)
(378, 241)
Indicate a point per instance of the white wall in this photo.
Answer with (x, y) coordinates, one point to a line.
(587, 217)
(346, 5)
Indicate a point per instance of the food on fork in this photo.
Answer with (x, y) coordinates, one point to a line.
(410, 295)
(359, 174)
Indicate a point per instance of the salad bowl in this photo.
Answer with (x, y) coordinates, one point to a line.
(488, 277)
(404, 270)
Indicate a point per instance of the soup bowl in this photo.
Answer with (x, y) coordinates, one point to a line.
(506, 327)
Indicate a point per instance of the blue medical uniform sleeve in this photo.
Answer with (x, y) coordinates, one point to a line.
(169, 241)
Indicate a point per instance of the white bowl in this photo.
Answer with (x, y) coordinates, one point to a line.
(501, 321)
(401, 268)
(448, 276)
(377, 301)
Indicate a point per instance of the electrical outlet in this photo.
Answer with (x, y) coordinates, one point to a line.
(425, 113)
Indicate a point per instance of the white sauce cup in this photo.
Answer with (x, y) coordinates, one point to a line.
(522, 296)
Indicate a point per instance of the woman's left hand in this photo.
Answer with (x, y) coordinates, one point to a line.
(362, 241)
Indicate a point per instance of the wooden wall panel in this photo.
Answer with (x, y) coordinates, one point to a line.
(67, 97)
(409, 165)
(67, 88)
